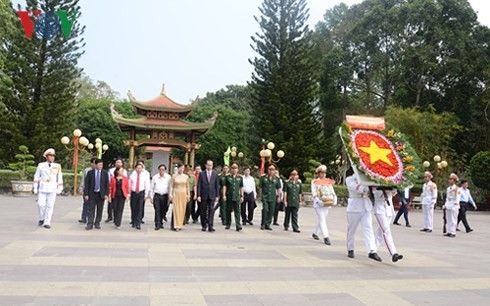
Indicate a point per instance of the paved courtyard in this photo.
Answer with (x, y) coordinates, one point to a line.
(67, 265)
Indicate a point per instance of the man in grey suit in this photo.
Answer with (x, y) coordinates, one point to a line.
(96, 191)
(207, 195)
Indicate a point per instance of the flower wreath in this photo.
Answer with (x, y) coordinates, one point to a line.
(385, 157)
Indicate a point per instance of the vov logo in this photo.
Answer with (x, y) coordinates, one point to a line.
(48, 24)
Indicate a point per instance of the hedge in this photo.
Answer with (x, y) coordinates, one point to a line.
(8, 175)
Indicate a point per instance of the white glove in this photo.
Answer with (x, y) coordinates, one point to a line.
(444, 206)
(34, 190)
(60, 189)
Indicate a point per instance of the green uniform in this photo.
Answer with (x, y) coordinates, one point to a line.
(268, 186)
(233, 184)
(188, 210)
(222, 204)
(292, 192)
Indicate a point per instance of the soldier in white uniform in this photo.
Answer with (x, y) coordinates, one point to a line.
(359, 209)
(48, 182)
(383, 212)
(451, 205)
(429, 199)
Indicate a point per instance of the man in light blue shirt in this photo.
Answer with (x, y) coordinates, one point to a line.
(464, 201)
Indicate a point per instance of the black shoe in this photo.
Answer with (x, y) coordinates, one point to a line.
(297, 231)
(203, 229)
(374, 256)
(88, 227)
(275, 223)
(262, 227)
(327, 241)
(138, 227)
(161, 227)
(424, 230)
(108, 220)
(97, 226)
(165, 219)
(268, 228)
(238, 229)
(157, 228)
(396, 257)
(450, 235)
(428, 231)
(227, 227)
(458, 230)
(133, 225)
(315, 236)
(47, 226)
(82, 221)
(211, 229)
(142, 222)
(396, 223)
(469, 231)
(250, 222)
(244, 223)
(40, 223)
(285, 228)
(408, 225)
(350, 254)
(194, 221)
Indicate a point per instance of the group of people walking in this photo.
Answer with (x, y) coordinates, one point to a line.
(198, 194)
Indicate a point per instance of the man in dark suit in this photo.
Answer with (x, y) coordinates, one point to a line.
(207, 195)
(95, 192)
(404, 198)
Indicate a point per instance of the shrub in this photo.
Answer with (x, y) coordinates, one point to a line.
(6, 176)
(480, 169)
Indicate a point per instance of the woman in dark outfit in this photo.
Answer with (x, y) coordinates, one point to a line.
(119, 193)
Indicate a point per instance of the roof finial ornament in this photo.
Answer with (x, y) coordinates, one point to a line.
(163, 93)
(130, 96)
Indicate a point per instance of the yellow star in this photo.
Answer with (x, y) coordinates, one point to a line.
(376, 153)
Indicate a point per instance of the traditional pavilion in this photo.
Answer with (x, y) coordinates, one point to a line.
(162, 123)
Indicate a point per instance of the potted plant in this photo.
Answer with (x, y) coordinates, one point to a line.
(25, 166)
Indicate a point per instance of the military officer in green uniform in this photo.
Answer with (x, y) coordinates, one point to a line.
(269, 189)
(292, 199)
(222, 180)
(233, 196)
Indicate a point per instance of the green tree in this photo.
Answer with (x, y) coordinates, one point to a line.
(42, 76)
(480, 170)
(284, 83)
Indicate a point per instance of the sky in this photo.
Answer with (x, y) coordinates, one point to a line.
(193, 46)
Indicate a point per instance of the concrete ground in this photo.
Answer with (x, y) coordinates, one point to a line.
(67, 265)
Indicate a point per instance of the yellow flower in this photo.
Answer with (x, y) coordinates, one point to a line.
(410, 168)
(408, 159)
(390, 133)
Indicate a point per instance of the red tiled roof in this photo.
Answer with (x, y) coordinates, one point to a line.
(162, 101)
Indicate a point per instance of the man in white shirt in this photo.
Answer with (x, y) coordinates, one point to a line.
(250, 196)
(139, 182)
(160, 186)
(110, 209)
(142, 162)
(464, 200)
(429, 199)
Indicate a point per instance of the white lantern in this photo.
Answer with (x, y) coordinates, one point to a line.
(444, 164)
(90, 146)
(439, 166)
(227, 154)
(105, 147)
(271, 146)
(240, 155)
(280, 153)
(98, 140)
(83, 141)
(233, 149)
(426, 164)
(98, 145)
(268, 153)
(77, 133)
(262, 153)
(437, 158)
(65, 140)
(233, 153)
(337, 161)
(331, 162)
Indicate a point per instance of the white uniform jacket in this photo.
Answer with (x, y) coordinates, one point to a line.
(48, 178)
(380, 205)
(429, 193)
(453, 195)
(358, 196)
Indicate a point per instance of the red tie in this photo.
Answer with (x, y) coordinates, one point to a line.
(138, 183)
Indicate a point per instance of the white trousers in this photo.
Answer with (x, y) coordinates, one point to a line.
(452, 220)
(45, 204)
(428, 213)
(383, 233)
(366, 220)
(321, 225)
